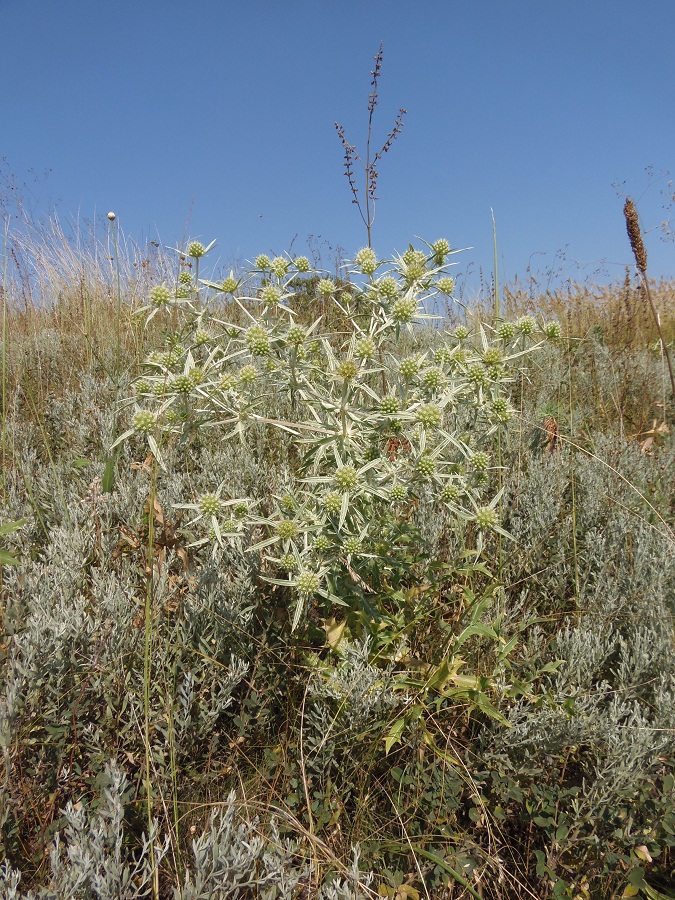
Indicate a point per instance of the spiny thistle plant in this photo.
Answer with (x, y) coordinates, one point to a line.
(375, 431)
(367, 211)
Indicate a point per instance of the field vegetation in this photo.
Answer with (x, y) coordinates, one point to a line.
(318, 584)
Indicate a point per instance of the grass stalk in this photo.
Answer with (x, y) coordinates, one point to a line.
(147, 657)
(640, 254)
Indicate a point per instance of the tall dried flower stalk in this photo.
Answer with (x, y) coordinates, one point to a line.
(369, 165)
(640, 253)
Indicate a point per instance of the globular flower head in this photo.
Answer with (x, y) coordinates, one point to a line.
(227, 382)
(365, 348)
(346, 478)
(409, 367)
(144, 421)
(446, 286)
(372, 452)
(295, 335)
(196, 375)
(426, 466)
(271, 295)
(526, 325)
(442, 355)
(287, 503)
(325, 287)
(502, 409)
(366, 260)
(230, 526)
(552, 331)
(307, 582)
(398, 493)
(287, 529)
(142, 387)
(248, 374)
(493, 356)
(182, 292)
(321, 543)
(351, 546)
(433, 379)
(429, 415)
(160, 295)
(185, 278)
(387, 288)
(209, 504)
(158, 389)
(279, 266)
(332, 502)
(461, 333)
(195, 250)
(414, 257)
(478, 374)
(229, 284)
(389, 406)
(182, 384)
(440, 249)
(347, 369)
(486, 518)
(506, 331)
(262, 262)
(480, 461)
(257, 340)
(202, 337)
(302, 264)
(288, 562)
(450, 493)
(240, 510)
(404, 310)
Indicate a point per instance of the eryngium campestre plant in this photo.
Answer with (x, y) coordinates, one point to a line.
(343, 392)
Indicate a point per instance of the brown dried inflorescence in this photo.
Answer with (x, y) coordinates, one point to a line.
(636, 242)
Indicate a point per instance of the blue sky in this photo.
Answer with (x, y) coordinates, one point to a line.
(224, 112)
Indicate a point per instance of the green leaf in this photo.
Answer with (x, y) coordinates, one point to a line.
(12, 526)
(8, 559)
(394, 736)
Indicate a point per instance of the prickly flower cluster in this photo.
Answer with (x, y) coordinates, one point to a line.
(375, 427)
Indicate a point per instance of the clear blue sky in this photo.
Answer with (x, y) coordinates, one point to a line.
(224, 111)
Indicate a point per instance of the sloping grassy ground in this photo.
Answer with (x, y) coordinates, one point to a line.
(266, 773)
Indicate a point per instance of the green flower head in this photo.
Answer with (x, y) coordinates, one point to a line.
(365, 348)
(257, 340)
(332, 502)
(446, 286)
(409, 367)
(486, 518)
(302, 264)
(429, 415)
(506, 331)
(346, 478)
(160, 295)
(271, 295)
(195, 250)
(440, 249)
(209, 504)
(347, 369)
(262, 262)
(325, 287)
(351, 546)
(144, 421)
(366, 260)
(279, 266)
(229, 285)
(404, 310)
(287, 529)
(307, 582)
